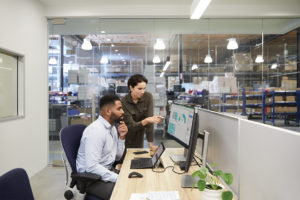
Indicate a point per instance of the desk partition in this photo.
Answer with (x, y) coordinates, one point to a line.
(263, 159)
(222, 142)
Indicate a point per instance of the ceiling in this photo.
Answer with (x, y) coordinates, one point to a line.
(170, 8)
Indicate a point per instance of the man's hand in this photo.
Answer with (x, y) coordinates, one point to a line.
(122, 129)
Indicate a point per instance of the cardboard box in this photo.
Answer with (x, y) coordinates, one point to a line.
(85, 121)
(278, 98)
(288, 84)
(290, 98)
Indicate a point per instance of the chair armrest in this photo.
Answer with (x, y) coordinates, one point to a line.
(86, 177)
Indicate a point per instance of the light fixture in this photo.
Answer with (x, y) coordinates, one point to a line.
(103, 32)
(232, 44)
(52, 61)
(194, 66)
(156, 59)
(86, 45)
(116, 50)
(162, 74)
(274, 66)
(104, 60)
(159, 44)
(259, 59)
(112, 45)
(198, 7)
(168, 62)
(208, 59)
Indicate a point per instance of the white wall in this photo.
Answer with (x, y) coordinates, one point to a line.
(24, 142)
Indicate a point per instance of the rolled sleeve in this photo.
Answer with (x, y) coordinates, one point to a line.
(120, 150)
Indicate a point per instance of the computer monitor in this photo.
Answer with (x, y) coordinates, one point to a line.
(177, 88)
(180, 128)
(122, 90)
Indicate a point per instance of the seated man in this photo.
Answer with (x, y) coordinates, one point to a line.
(101, 146)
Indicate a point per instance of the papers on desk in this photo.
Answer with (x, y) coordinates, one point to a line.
(157, 195)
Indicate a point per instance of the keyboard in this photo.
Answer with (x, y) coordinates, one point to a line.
(163, 195)
(141, 163)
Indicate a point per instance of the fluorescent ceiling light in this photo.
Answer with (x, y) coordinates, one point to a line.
(116, 50)
(232, 44)
(112, 45)
(159, 44)
(208, 59)
(156, 59)
(162, 74)
(168, 62)
(52, 61)
(274, 66)
(259, 59)
(198, 7)
(194, 66)
(103, 32)
(86, 45)
(166, 66)
(104, 60)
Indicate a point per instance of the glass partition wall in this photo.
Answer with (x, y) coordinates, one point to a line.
(248, 67)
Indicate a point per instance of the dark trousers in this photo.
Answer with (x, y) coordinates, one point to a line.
(101, 189)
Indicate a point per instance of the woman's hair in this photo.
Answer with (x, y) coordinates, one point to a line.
(135, 79)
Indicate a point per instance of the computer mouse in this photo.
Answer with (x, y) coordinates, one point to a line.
(135, 175)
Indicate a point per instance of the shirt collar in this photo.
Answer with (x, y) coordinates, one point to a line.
(106, 123)
(129, 98)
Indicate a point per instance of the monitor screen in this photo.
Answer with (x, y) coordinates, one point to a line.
(180, 124)
(122, 89)
(177, 88)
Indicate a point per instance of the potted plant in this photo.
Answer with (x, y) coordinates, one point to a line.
(210, 184)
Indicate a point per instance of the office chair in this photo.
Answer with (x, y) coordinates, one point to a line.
(15, 185)
(70, 139)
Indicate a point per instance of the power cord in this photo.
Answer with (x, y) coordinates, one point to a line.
(173, 170)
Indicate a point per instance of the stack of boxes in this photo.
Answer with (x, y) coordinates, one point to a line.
(136, 66)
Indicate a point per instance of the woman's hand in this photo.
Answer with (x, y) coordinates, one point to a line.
(152, 147)
(154, 120)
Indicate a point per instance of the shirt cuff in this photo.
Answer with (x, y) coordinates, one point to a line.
(114, 177)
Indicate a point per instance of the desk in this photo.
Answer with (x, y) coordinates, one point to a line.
(152, 181)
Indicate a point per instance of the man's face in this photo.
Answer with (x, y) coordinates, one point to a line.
(116, 111)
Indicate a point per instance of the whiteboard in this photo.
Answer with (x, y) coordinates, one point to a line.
(180, 122)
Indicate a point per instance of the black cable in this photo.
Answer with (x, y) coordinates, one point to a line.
(197, 161)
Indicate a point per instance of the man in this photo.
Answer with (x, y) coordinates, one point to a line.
(101, 146)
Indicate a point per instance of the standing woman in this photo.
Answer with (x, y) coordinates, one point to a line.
(138, 113)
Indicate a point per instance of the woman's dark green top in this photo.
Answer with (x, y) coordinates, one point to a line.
(134, 113)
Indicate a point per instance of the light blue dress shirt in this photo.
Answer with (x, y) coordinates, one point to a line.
(100, 146)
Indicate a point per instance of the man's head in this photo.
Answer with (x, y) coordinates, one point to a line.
(111, 108)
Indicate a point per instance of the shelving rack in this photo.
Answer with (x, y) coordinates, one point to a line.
(276, 104)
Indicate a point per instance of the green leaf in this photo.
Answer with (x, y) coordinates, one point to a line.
(227, 195)
(213, 165)
(195, 173)
(218, 173)
(228, 178)
(203, 172)
(201, 185)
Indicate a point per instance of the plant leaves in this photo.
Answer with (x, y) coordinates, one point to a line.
(201, 185)
(227, 195)
(218, 173)
(195, 173)
(228, 178)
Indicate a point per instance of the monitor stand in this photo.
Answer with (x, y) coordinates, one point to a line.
(177, 158)
(187, 181)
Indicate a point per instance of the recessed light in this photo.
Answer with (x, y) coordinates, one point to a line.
(116, 50)
(112, 45)
(108, 40)
(102, 31)
(119, 54)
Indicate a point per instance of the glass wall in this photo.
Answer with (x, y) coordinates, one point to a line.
(92, 57)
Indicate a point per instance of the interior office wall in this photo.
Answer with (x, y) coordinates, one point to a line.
(24, 142)
(222, 143)
(269, 162)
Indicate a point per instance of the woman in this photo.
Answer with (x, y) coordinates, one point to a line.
(138, 113)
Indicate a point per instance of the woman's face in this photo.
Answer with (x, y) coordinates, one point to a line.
(138, 90)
